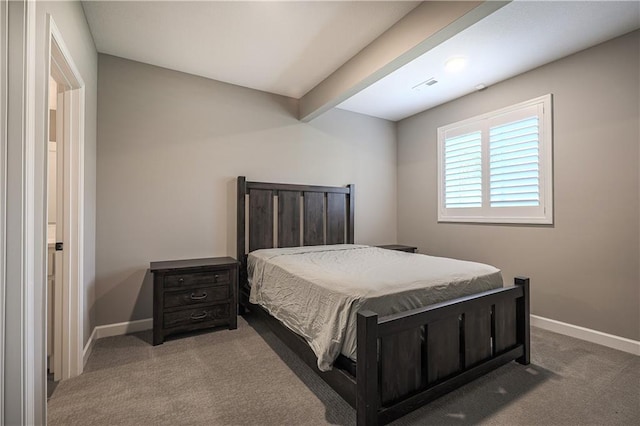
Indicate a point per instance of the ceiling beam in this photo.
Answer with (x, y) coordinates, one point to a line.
(422, 29)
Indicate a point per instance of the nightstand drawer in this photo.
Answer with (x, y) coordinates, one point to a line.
(197, 315)
(198, 278)
(194, 296)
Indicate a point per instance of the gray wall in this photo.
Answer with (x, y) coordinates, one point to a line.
(170, 147)
(585, 268)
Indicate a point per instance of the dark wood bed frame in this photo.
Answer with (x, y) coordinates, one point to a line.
(407, 359)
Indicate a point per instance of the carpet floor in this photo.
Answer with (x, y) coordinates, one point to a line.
(248, 377)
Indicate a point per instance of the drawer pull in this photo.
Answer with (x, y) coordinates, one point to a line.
(181, 280)
(215, 278)
(199, 317)
(194, 297)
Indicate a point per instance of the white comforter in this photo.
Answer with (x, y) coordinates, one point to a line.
(316, 291)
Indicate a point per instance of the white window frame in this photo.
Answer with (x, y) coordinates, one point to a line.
(542, 214)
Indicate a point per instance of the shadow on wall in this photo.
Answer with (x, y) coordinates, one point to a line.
(129, 299)
(232, 244)
(144, 301)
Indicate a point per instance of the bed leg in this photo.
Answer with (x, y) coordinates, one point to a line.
(523, 320)
(367, 369)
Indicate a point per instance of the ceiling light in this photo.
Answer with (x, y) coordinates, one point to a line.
(455, 64)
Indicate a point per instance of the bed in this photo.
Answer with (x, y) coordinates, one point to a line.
(401, 354)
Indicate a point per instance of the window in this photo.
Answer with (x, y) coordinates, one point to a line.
(497, 167)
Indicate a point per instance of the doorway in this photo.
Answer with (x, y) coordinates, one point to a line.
(63, 323)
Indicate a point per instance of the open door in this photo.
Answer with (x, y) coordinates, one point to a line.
(59, 294)
(56, 214)
(52, 185)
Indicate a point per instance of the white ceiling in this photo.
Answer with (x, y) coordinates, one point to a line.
(517, 38)
(289, 47)
(279, 47)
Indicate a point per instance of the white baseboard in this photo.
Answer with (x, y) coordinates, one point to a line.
(121, 328)
(117, 329)
(593, 336)
(88, 348)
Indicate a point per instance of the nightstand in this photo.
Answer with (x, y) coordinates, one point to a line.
(399, 247)
(194, 294)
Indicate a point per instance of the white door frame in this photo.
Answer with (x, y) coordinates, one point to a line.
(63, 68)
(18, 215)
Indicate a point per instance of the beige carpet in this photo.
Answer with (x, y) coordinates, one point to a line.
(248, 377)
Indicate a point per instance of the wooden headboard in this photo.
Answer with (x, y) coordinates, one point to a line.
(287, 215)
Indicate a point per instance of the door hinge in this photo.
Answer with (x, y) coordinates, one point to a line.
(59, 246)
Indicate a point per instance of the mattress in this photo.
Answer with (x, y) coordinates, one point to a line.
(317, 291)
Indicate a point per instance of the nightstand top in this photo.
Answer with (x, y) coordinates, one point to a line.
(193, 263)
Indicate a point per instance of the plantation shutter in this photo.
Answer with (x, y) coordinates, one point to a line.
(463, 170)
(514, 163)
(497, 167)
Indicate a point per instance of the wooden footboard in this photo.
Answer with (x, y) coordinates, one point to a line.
(408, 359)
